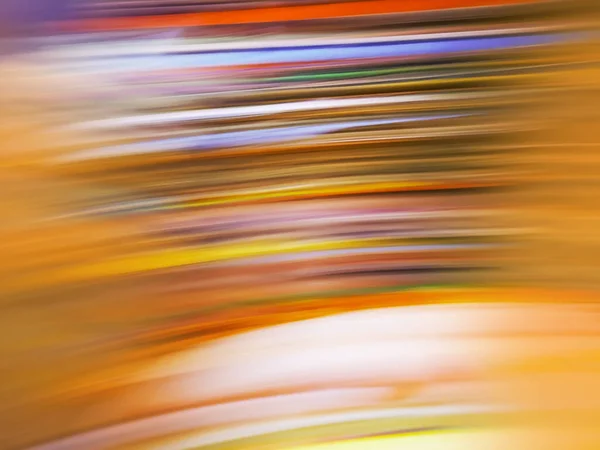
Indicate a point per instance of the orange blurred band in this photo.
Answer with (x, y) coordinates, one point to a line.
(285, 14)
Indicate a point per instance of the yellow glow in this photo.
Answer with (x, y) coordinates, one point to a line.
(436, 440)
